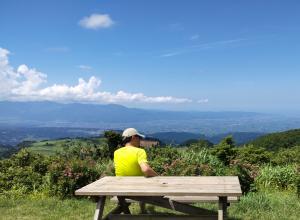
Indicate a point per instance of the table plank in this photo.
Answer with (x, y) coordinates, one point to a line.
(190, 199)
(164, 186)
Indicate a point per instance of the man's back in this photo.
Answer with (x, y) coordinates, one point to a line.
(128, 159)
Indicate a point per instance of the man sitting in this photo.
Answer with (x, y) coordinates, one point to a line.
(131, 160)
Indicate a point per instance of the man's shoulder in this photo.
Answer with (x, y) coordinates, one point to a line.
(118, 151)
(129, 149)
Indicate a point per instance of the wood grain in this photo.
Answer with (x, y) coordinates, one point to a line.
(164, 186)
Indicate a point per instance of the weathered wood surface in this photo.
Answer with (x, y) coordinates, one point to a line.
(164, 186)
(190, 199)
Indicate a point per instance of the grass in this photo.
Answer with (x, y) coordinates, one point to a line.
(258, 206)
(267, 205)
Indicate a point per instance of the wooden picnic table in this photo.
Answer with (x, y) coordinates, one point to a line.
(159, 191)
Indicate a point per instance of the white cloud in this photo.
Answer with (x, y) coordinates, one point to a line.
(201, 101)
(29, 80)
(8, 77)
(84, 67)
(26, 84)
(96, 21)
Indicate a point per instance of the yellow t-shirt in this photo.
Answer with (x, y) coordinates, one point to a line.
(127, 161)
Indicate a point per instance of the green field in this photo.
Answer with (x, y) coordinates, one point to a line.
(51, 147)
(259, 206)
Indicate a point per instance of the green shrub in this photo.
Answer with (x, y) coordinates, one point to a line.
(179, 162)
(113, 139)
(105, 168)
(244, 174)
(95, 151)
(286, 156)
(225, 150)
(24, 171)
(64, 177)
(161, 157)
(181, 167)
(277, 177)
(253, 155)
(208, 164)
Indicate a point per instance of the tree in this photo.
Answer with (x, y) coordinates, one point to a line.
(113, 140)
(225, 150)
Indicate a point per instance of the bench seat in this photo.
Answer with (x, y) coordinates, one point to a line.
(189, 199)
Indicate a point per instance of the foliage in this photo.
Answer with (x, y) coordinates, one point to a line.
(159, 158)
(81, 161)
(65, 146)
(277, 177)
(225, 150)
(286, 156)
(114, 139)
(189, 162)
(245, 174)
(199, 144)
(275, 141)
(208, 164)
(253, 155)
(96, 152)
(64, 177)
(24, 171)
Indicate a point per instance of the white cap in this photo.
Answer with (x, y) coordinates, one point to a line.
(129, 132)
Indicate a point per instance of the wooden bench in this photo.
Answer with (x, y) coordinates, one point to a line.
(188, 199)
(168, 192)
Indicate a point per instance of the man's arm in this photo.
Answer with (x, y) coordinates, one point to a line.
(147, 170)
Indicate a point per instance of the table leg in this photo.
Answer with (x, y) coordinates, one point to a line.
(99, 208)
(222, 211)
(124, 205)
(143, 208)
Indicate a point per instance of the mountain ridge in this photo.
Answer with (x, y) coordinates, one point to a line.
(118, 117)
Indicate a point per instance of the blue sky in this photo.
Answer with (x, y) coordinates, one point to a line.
(179, 55)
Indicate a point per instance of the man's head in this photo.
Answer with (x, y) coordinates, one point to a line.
(132, 136)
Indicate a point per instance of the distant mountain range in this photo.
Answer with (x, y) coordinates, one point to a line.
(176, 137)
(36, 113)
(36, 120)
(14, 135)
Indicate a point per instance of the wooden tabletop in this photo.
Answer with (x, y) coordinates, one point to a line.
(163, 186)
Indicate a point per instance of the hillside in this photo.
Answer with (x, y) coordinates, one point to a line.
(274, 141)
(6, 151)
(12, 135)
(50, 147)
(239, 137)
(176, 137)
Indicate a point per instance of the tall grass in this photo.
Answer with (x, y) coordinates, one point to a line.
(277, 177)
(267, 205)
